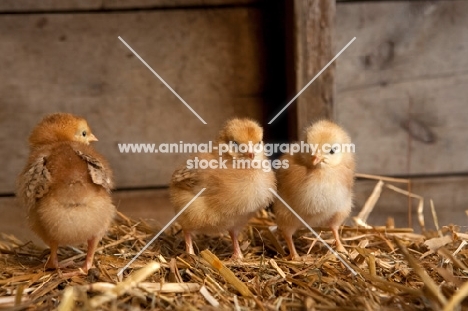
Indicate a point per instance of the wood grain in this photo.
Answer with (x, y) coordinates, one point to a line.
(401, 86)
(314, 22)
(448, 194)
(75, 63)
(77, 5)
(151, 205)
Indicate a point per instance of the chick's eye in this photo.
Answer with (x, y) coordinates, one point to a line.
(234, 142)
(83, 133)
(332, 151)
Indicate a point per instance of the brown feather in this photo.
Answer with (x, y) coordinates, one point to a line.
(100, 175)
(185, 178)
(35, 181)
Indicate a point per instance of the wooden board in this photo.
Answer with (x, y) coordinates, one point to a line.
(75, 63)
(408, 64)
(151, 205)
(448, 194)
(76, 5)
(13, 220)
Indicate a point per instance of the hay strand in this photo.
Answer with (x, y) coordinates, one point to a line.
(361, 219)
(227, 274)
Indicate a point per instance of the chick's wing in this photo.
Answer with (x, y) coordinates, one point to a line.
(35, 181)
(98, 170)
(186, 178)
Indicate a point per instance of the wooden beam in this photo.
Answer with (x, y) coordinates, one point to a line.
(313, 49)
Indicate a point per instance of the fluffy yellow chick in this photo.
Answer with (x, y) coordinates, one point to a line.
(232, 195)
(317, 186)
(66, 186)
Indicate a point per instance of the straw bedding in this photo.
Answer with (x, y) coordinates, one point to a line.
(391, 269)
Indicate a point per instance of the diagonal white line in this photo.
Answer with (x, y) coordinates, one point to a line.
(159, 233)
(313, 79)
(314, 232)
(162, 80)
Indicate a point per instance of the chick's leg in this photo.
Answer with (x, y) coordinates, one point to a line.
(92, 245)
(188, 242)
(237, 253)
(334, 224)
(287, 234)
(52, 262)
(339, 246)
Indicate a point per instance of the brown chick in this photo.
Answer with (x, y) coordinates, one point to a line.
(232, 195)
(66, 186)
(317, 186)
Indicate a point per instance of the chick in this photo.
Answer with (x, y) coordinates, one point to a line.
(317, 186)
(233, 194)
(66, 186)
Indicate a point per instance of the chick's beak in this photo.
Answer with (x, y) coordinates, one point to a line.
(92, 137)
(251, 155)
(316, 159)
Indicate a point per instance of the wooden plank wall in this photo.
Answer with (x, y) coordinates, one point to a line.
(74, 62)
(408, 65)
(66, 56)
